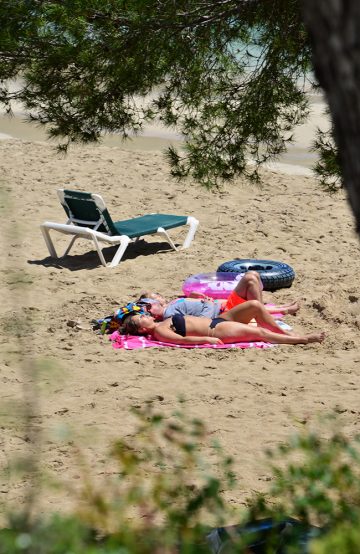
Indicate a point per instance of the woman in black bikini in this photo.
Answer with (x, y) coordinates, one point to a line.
(201, 330)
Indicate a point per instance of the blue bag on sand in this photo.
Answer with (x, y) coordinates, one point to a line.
(112, 323)
(263, 536)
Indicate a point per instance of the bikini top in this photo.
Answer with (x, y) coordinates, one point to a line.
(178, 324)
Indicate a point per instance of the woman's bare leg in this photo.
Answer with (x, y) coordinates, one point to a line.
(276, 338)
(246, 333)
(253, 309)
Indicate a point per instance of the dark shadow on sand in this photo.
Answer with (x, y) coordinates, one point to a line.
(91, 260)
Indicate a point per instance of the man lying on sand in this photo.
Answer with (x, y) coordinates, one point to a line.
(249, 288)
(202, 330)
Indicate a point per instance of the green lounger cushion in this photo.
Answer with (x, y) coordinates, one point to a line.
(83, 207)
(148, 224)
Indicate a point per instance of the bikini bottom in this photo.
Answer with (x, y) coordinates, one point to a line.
(216, 321)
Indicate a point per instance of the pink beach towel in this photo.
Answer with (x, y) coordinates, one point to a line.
(131, 342)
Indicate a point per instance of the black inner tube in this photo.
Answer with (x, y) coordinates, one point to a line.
(256, 267)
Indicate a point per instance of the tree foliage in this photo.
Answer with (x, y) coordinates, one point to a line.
(229, 75)
(328, 167)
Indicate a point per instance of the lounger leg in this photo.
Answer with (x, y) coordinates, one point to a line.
(99, 251)
(193, 223)
(161, 231)
(120, 251)
(70, 246)
(49, 243)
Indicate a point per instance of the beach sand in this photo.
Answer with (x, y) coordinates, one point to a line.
(250, 399)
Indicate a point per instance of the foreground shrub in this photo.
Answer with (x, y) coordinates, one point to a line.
(317, 480)
(164, 491)
(161, 497)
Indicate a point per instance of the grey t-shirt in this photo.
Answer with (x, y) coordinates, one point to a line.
(197, 308)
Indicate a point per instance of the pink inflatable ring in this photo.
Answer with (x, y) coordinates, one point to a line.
(216, 285)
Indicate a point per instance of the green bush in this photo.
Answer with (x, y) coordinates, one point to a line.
(163, 498)
(316, 479)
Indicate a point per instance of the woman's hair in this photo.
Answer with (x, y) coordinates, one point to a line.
(130, 327)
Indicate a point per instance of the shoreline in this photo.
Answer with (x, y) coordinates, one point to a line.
(297, 160)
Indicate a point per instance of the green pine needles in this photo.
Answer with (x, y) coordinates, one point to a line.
(230, 76)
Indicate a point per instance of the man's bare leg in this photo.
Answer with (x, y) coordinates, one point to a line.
(250, 288)
(284, 309)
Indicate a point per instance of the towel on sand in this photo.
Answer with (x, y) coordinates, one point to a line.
(132, 342)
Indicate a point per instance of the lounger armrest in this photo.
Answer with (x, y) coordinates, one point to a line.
(193, 224)
(85, 232)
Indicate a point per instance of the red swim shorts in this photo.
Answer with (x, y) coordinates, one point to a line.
(233, 300)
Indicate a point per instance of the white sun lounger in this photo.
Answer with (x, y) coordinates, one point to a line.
(89, 219)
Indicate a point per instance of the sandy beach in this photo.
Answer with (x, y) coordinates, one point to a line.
(250, 399)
